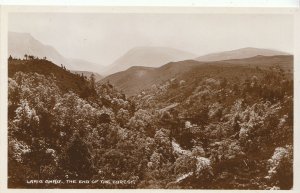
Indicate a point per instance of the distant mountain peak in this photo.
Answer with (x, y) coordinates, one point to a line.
(148, 56)
(240, 53)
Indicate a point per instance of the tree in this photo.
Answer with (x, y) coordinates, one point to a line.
(123, 116)
(41, 157)
(92, 81)
(78, 159)
(280, 168)
(26, 56)
(26, 122)
(142, 121)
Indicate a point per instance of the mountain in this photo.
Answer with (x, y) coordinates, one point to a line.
(137, 78)
(239, 54)
(20, 44)
(88, 74)
(83, 65)
(148, 57)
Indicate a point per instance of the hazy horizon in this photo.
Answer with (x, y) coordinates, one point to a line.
(104, 37)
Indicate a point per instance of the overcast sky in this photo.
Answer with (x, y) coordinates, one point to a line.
(102, 37)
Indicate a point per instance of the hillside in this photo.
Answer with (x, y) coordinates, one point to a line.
(138, 78)
(218, 125)
(64, 79)
(20, 44)
(148, 57)
(239, 54)
(283, 61)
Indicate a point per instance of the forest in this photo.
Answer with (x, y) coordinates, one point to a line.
(222, 128)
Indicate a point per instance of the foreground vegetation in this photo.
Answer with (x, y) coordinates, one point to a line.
(204, 131)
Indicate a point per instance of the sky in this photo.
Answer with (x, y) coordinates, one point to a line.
(104, 37)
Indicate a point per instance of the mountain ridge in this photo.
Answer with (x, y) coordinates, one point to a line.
(137, 78)
(241, 53)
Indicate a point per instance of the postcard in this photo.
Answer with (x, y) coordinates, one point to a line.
(149, 98)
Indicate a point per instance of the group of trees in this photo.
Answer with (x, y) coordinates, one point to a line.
(239, 124)
(28, 57)
(211, 133)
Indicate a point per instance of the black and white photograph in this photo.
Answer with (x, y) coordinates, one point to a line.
(150, 100)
